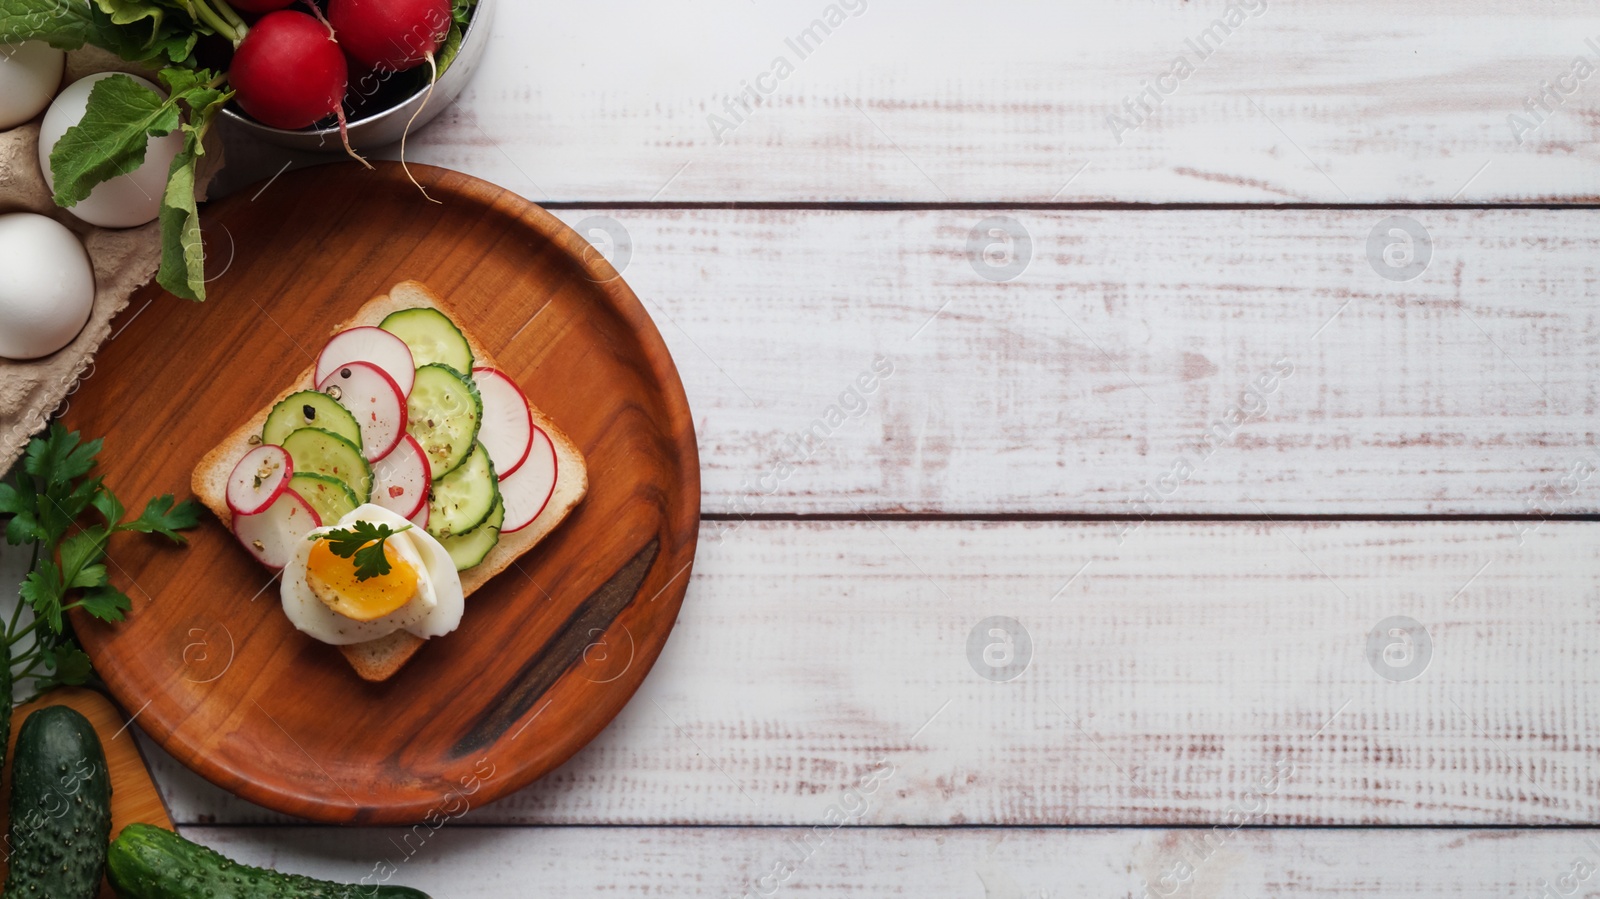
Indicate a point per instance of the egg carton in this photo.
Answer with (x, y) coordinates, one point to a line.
(124, 260)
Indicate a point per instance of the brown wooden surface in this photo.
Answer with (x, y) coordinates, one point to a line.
(134, 797)
(536, 669)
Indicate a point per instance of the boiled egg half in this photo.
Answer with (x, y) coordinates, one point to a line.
(421, 593)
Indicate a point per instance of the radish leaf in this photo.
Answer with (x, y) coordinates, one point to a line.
(460, 15)
(110, 139)
(129, 12)
(69, 24)
(183, 251)
(183, 255)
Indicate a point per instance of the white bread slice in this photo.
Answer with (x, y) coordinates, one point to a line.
(378, 660)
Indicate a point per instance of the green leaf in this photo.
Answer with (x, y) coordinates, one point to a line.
(66, 26)
(58, 509)
(89, 576)
(20, 501)
(160, 516)
(172, 44)
(460, 16)
(69, 664)
(110, 508)
(56, 456)
(24, 528)
(363, 541)
(110, 139)
(79, 553)
(11, 501)
(183, 251)
(180, 81)
(106, 603)
(42, 590)
(70, 24)
(128, 12)
(450, 48)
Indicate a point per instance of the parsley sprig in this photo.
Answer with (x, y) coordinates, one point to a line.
(41, 503)
(362, 540)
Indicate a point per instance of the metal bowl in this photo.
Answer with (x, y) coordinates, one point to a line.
(386, 127)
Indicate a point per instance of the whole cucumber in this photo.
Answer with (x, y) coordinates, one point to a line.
(60, 808)
(150, 863)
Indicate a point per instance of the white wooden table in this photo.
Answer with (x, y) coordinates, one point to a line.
(1264, 404)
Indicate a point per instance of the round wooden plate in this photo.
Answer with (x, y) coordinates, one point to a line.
(547, 653)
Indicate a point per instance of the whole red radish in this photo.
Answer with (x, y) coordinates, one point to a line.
(289, 72)
(390, 35)
(260, 6)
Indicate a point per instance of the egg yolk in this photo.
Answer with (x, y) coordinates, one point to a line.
(334, 581)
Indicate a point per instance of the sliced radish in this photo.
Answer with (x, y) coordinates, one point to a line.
(527, 492)
(373, 346)
(375, 400)
(507, 428)
(274, 534)
(260, 476)
(421, 518)
(400, 480)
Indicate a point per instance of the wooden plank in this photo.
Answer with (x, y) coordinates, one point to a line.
(1194, 669)
(1125, 350)
(1351, 101)
(488, 863)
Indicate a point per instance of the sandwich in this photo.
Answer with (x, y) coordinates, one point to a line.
(391, 479)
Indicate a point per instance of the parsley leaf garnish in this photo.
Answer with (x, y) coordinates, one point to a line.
(363, 541)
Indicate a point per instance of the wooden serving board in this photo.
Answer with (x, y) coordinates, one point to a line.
(134, 797)
(547, 653)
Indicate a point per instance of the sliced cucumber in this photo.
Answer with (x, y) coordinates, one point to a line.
(432, 337)
(309, 409)
(444, 412)
(331, 498)
(463, 499)
(468, 549)
(316, 451)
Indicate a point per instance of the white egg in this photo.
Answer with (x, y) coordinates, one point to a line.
(126, 200)
(46, 286)
(30, 72)
(434, 611)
